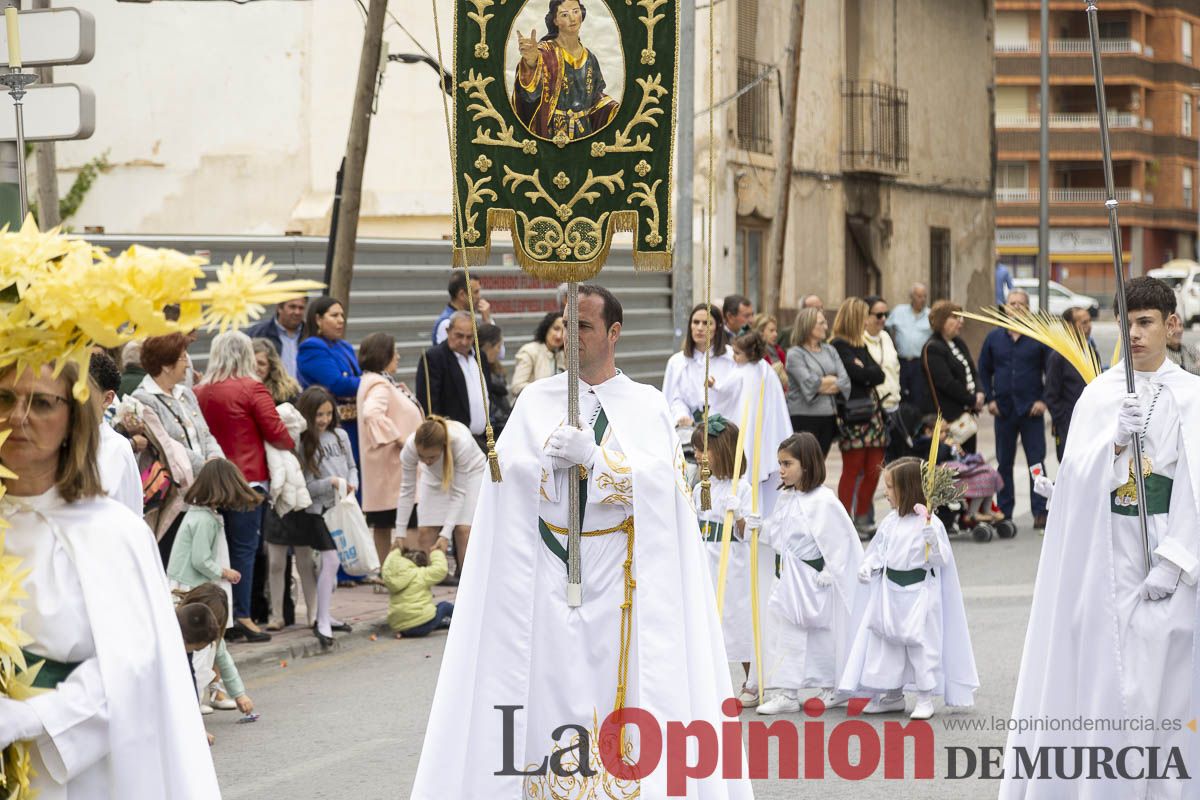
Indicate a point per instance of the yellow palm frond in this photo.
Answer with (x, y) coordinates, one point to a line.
(1054, 332)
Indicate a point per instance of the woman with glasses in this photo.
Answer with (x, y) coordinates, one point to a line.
(116, 714)
(883, 350)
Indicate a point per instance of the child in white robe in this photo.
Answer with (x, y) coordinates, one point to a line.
(735, 618)
(811, 606)
(759, 379)
(913, 633)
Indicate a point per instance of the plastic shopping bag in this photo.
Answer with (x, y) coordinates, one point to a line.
(355, 544)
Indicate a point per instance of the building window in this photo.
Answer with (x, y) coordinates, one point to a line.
(1012, 175)
(1185, 111)
(939, 264)
(1185, 40)
(1187, 187)
(751, 253)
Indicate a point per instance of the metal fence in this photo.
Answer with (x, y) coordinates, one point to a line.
(400, 287)
(754, 105)
(875, 135)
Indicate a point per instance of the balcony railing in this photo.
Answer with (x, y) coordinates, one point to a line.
(875, 134)
(1067, 196)
(1116, 119)
(1076, 46)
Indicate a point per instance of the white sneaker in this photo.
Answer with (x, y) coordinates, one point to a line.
(206, 709)
(832, 698)
(923, 708)
(885, 704)
(780, 704)
(748, 697)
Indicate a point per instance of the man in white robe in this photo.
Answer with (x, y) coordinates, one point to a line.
(646, 634)
(1107, 641)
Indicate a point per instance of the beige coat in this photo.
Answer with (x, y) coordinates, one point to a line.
(534, 362)
(387, 415)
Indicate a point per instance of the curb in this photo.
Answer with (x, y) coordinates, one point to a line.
(258, 657)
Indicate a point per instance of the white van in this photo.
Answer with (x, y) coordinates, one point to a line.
(1182, 275)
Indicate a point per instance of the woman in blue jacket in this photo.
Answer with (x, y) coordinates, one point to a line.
(326, 359)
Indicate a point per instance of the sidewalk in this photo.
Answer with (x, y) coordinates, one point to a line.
(362, 606)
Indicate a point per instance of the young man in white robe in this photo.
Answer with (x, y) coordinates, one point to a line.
(1108, 640)
(520, 662)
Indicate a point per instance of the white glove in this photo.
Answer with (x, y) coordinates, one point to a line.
(18, 722)
(569, 446)
(731, 504)
(1043, 486)
(824, 578)
(864, 573)
(1161, 582)
(1129, 421)
(930, 535)
(753, 521)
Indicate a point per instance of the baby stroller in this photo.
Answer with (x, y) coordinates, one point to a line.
(980, 482)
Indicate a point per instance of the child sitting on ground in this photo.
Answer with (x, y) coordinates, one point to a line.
(409, 576)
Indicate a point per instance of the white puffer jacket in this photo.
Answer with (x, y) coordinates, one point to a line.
(288, 490)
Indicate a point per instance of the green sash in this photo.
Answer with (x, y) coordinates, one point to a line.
(907, 577)
(52, 672)
(712, 531)
(817, 563)
(548, 538)
(1158, 497)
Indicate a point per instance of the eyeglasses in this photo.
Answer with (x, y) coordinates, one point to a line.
(880, 315)
(38, 404)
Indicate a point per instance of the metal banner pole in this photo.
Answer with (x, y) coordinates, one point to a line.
(1118, 266)
(574, 570)
(16, 81)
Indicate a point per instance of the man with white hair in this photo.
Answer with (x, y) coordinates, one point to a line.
(909, 325)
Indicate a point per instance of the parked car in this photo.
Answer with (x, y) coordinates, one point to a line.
(1061, 298)
(1182, 275)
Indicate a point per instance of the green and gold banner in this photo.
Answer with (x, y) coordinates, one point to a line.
(564, 125)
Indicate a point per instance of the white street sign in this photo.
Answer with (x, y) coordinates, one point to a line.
(53, 37)
(55, 112)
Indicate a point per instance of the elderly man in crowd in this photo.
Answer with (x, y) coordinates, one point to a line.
(284, 330)
(1011, 367)
(909, 325)
(1064, 384)
(452, 378)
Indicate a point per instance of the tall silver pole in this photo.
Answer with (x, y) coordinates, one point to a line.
(574, 571)
(682, 275)
(1043, 262)
(1118, 266)
(16, 81)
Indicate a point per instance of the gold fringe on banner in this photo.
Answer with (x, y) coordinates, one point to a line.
(504, 219)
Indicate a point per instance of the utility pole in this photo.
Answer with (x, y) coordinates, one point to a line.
(683, 275)
(356, 153)
(1044, 167)
(47, 159)
(782, 188)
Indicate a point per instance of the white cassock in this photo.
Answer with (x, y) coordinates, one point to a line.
(776, 426)
(683, 385)
(124, 723)
(736, 619)
(119, 470)
(812, 625)
(912, 636)
(515, 642)
(1094, 648)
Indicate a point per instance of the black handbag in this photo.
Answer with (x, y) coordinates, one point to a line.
(857, 410)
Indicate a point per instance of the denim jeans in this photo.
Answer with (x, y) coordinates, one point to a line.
(243, 529)
(445, 610)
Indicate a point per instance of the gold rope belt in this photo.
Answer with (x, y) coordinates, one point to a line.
(626, 607)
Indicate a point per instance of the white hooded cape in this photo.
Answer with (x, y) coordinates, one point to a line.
(776, 426)
(822, 515)
(156, 747)
(1072, 662)
(957, 678)
(682, 670)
